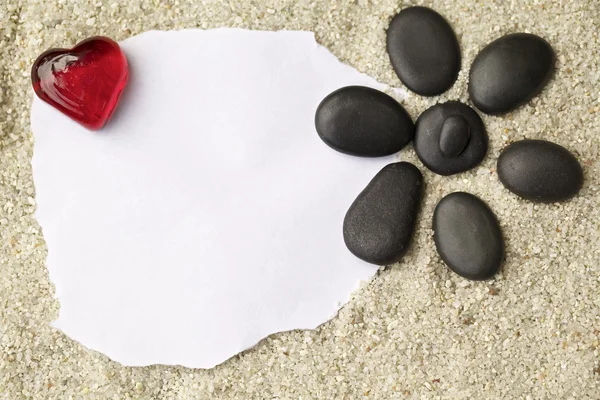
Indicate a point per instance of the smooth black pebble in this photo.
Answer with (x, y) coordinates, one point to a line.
(539, 170)
(454, 136)
(450, 138)
(379, 225)
(423, 50)
(467, 236)
(362, 121)
(509, 72)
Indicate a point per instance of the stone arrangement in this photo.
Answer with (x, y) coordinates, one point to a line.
(449, 138)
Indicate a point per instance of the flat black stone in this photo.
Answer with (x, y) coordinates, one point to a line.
(467, 236)
(423, 50)
(539, 170)
(379, 225)
(446, 129)
(509, 72)
(362, 121)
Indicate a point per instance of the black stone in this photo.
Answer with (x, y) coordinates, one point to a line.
(467, 236)
(423, 50)
(362, 121)
(509, 72)
(454, 136)
(539, 170)
(450, 138)
(379, 225)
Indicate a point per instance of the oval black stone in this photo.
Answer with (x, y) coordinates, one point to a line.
(539, 170)
(379, 225)
(423, 50)
(509, 72)
(454, 136)
(447, 129)
(467, 236)
(362, 121)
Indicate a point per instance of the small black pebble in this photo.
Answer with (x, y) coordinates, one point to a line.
(423, 50)
(467, 236)
(509, 72)
(454, 136)
(450, 138)
(379, 225)
(362, 121)
(539, 170)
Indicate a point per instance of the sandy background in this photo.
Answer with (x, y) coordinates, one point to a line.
(416, 331)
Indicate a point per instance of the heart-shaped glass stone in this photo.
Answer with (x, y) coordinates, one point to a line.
(84, 83)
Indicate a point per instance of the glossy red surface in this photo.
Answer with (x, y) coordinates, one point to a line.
(84, 83)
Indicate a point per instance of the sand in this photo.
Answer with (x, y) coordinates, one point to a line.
(417, 330)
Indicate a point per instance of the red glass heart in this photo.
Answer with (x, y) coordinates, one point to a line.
(84, 83)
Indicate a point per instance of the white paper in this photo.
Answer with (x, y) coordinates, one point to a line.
(208, 213)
